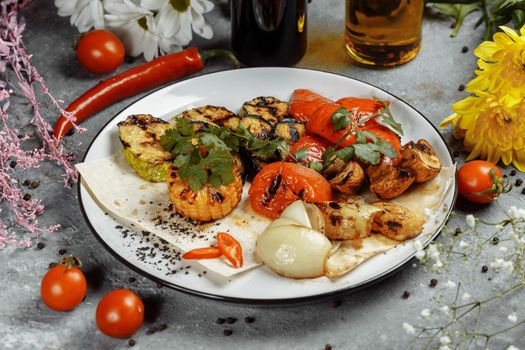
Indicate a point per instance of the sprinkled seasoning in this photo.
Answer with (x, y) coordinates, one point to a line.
(12, 164)
(457, 232)
(151, 330)
(162, 327)
(523, 191)
(433, 282)
(158, 285)
(27, 182)
(455, 154)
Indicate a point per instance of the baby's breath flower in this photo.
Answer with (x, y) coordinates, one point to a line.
(445, 310)
(450, 284)
(444, 340)
(420, 254)
(465, 296)
(444, 347)
(507, 267)
(512, 347)
(437, 264)
(512, 317)
(409, 328)
(471, 220)
(463, 244)
(503, 249)
(425, 313)
(499, 227)
(497, 263)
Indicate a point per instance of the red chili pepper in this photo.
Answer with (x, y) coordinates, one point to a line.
(230, 248)
(144, 77)
(203, 253)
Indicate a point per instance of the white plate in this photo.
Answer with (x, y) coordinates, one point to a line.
(150, 257)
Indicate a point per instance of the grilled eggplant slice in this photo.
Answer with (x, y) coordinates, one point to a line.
(344, 177)
(269, 108)
(421, 160)
(290, 130)
(388, 181)
(348, 220)
(140, 136)
(214, 115)
(397, 222)
(209, 203)
(257, 126)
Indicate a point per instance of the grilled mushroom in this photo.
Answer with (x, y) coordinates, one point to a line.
(269, 108)
(290, 130)
(345, 177)
(388, 181)
(140, 136)
(209, 203)
(396, 222)
(421, 160)
(348, 220)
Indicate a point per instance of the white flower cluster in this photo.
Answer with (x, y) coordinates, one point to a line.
(505, 265)
(517, 213)
(149, 27)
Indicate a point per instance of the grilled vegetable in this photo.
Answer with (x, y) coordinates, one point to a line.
(348, 220)
(269, 108)
(397, 222)
(347, 178)
(257, 126)
(290, 130)
(388, 181)
(140, 136)
(209, 203)
(421, 160)
(214, 115)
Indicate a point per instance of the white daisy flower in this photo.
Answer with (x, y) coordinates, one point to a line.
(471, 221)
(409, 328)
(178, 18)
(138, 30)
(85, 14)
(512, 317)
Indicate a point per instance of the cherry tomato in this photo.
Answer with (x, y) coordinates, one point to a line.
(63, 287)
(100, 51)
(202, 253)
(480, 181)
(230, 248)
(279, 184)
(120, 313)
(315, 145)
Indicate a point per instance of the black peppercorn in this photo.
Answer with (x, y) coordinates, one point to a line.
(512, 172)
(231, 320)
(328, 347)
(12, 164)
(40, 245)
(34, 184)
(227, 332)
(518, 182)
(495, 240)
(457, 232)
(132, 342)
(151, 330)
(461, 87)
(62, 251)
(464, 49)
(220, 320)
(249, 319)
(162, 327)
(523, 191)
(131, 279)
(406, 294)
(53, 264)
(27, 182)
(433, 282)
(27, 197)
(484, 268)
(336, 303)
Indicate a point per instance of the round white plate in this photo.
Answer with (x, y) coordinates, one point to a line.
(155, 259)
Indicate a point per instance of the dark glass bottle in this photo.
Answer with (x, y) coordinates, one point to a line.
(269, 32)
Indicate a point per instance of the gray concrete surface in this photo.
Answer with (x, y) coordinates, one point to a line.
(369, 319)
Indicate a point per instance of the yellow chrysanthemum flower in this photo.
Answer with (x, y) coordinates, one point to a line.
(501, 63)
(492, 122)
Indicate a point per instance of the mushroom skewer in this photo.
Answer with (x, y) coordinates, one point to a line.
(389, 181)
(346, 178)
(421, 160)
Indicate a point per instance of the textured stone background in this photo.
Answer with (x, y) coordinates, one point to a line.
(369, 319)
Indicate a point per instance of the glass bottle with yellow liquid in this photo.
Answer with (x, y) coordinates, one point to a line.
(383, 33)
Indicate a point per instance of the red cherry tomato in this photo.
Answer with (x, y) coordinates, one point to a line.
(315, 145)
(120, 313)
(100, 51)
(63, 288)
(480, 181)
(279, 184)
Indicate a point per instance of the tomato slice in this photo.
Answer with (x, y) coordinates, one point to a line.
(203, 253)
(230, 248)
(279, 184)
(304, 104)
(315, 145)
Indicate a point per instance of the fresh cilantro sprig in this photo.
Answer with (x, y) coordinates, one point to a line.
(386, 118)
(205, 156)
(340, 119)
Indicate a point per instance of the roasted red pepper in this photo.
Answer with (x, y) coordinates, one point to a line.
(144, 77)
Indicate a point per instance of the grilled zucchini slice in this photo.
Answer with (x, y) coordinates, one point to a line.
(269, 108)
(214, 115)
(257, 126)
(290, 130)
(140, 136)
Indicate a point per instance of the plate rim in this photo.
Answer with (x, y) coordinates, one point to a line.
(265, 302)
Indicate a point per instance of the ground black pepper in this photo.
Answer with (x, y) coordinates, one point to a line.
(433, 282)
(220, 320)
(518, 182)
(484, 268)
(62, 251)
(132, 342)
(27, 197)
(227, 332)
(231, 320)
(464, 49)
(34, 184)
(406, 294)
(249, 319)
(461, 87)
